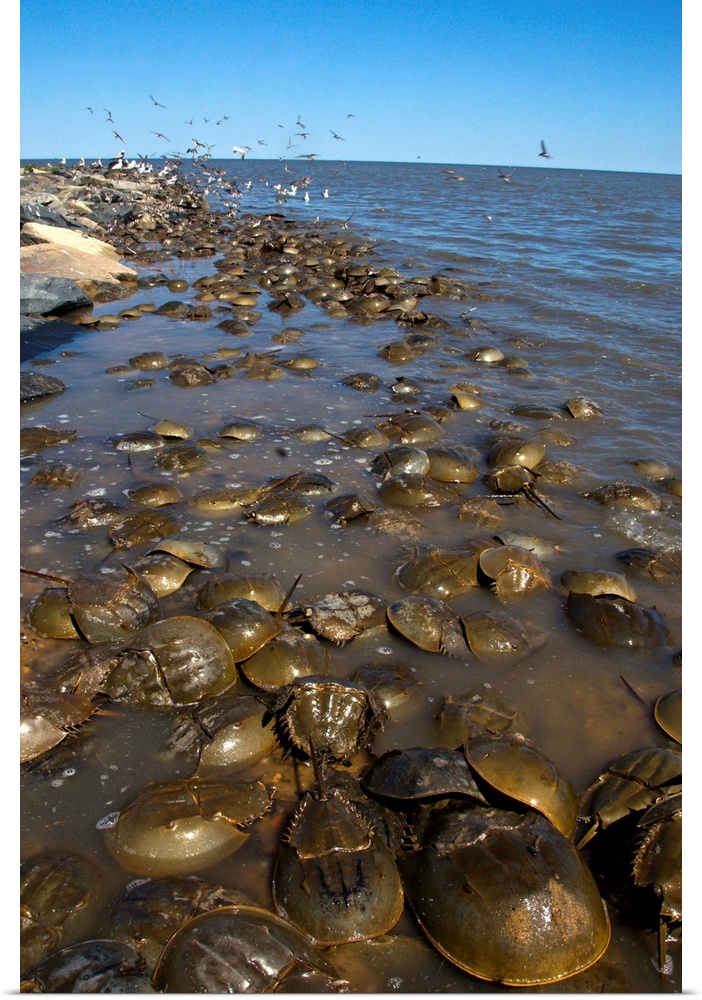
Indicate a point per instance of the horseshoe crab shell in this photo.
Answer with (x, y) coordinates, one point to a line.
(517, 769)
(507, 898)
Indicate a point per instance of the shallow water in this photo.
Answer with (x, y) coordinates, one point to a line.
(580, 274)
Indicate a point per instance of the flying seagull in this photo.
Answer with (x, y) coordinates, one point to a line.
(160, 135)
(453, 176)
(337, 136)
(241, 150)
(157, 103)
(544, 152)
(507, 178)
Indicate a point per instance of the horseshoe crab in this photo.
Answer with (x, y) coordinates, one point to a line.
(596, 582)
(657, 865)
(582, 408)
(443, 573)
(519, 452)
(624, 495)
(514, 767)
(58, 894)
(507, 898)
(334, 877)
(452, 465)
(513, 571)
(632, 782)
(96, 966)
(343, 616)
(164, 573)
(149, 912)
(496, 634)
(668, 714)
(421, 773)
(345, 508)
(330, 718)
(48, 716)
(175, 661)
(463, 717)
(242, 949)
(283, 659)
(279, 510)
(412, 490)
(429, 623)
(230, 731)
(657, 563)
(245, 625)
(411, 428)
(398, 460)
(109, 607)
(615, 621)
(182, 827)
(264, 590)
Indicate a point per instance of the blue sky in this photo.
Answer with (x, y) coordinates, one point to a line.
(441, 81)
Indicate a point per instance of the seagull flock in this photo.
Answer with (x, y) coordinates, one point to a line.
(201, 152)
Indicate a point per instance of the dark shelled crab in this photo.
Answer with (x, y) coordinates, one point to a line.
(243, 949)
(517, 481)
(335, 876)
(182, 827)
(504, 896)
(336, 718)
(48, 717)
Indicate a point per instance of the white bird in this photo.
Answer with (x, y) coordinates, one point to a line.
(544, 152)
(117, 163)
(241, 150)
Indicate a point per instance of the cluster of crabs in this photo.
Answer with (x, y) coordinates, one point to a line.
(499, 859)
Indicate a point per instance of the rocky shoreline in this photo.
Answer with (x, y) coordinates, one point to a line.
(73, 254)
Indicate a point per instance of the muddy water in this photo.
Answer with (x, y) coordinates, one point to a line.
(573, 699)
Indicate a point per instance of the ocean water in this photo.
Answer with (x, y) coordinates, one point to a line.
(575, 274)
(587, 262)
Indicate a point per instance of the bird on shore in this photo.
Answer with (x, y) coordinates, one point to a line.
(544, 152)
(118, 162)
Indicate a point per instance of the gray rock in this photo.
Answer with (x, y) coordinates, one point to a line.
(42, 295)
(39, 336)
(106, 215)
(33, 211)
(34, 384)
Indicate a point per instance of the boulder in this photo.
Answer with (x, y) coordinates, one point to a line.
(92, 273)
(34, 384)
(33, 211)
(56, 236)
(44, 295)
